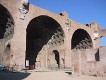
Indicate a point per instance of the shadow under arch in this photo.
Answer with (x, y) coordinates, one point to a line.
(81, 40)
(6, 24)
(41, 31)
(57, 57)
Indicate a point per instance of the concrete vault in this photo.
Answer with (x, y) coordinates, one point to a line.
(43, 33)
(81, 40)
(6, 33)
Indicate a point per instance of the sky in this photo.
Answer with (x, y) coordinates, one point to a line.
(82, 11)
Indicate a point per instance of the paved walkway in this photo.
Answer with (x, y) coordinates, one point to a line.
(45, 75)
(60, 75)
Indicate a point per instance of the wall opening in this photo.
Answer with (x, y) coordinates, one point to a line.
(6, 33)
(63, 62)
(62, 65)
(6, 24)
(81, 40)
(97, 56)
(7, 55)
(57, 57)
(7, 49)
(43, 33)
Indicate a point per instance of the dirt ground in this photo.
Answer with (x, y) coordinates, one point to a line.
(45, 75)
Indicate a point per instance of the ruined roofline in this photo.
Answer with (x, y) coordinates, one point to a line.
(87, 24)
(102, 32)
(64, 12)
(61, 14)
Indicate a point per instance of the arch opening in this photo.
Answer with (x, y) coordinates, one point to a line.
(57, 57)
(6, 33)
(7, 49)
(81, 40)
(43, 33)
(6, 55)
(6, 24)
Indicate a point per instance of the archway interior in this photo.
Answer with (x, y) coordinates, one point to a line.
(6, 33)
(42, 31)
(57, 57)
(81, 40)
(6, 24)
(7, 55)
(7, 49)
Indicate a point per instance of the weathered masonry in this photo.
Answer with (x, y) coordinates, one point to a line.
(47, 40)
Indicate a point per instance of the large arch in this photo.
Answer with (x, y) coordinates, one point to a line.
(81, 40)
(6, 24)
(43, 33)
(6, 33)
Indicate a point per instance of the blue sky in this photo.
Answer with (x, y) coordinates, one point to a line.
(82, 11)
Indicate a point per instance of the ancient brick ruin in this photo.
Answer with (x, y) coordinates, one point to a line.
(48, 40)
